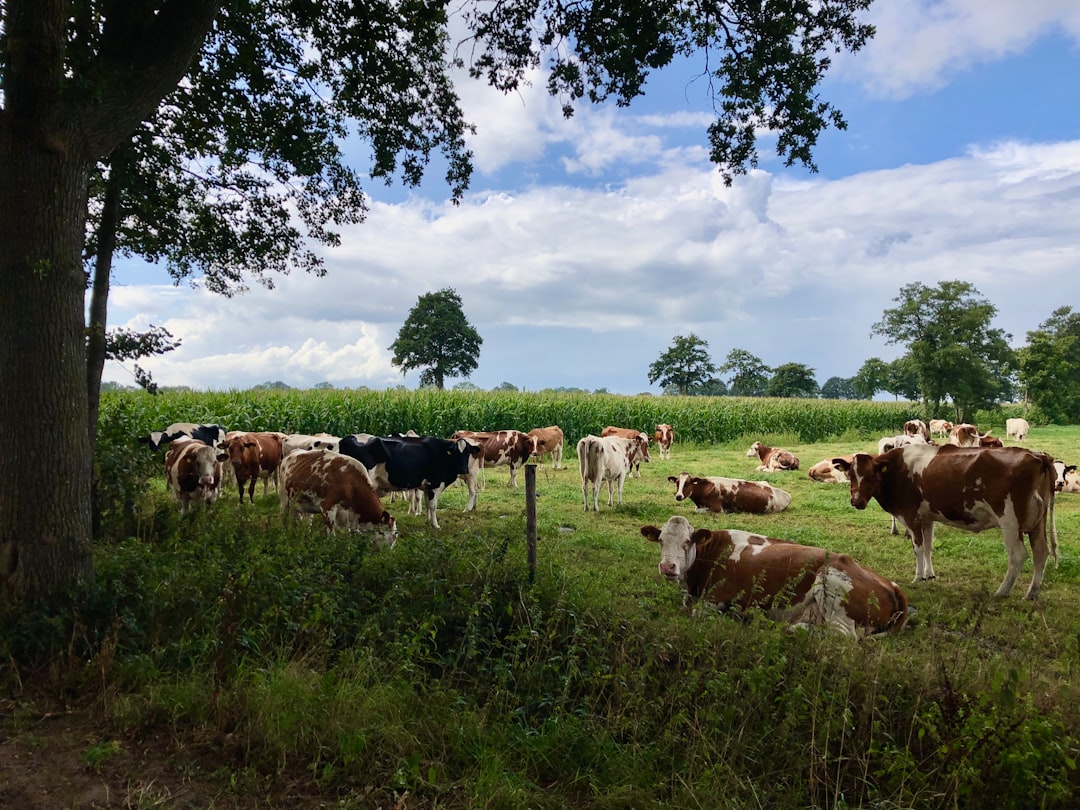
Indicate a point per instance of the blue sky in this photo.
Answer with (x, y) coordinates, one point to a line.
(585, 246)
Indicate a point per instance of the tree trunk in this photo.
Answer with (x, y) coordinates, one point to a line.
(45, 463)
(97, 320)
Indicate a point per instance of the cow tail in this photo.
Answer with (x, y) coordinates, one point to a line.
(1051, 525)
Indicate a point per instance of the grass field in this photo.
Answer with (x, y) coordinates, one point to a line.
(317, 672)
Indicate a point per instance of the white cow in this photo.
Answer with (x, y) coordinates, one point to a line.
(604, 458)
(309, 441)
(1065, 477)
(1017, 429)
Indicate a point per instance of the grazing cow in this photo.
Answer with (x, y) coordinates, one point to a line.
(337, 487)
(511, 447)
(917, 427)
(549, 440)
(772, 458)
(641, 444)
(1065, 477)
(253, 455)
(664, 437)
(801, 585)
(208, 434)
(826, 472)
(192, 472)
(940, 427)
(605, 458)
(730, 494)
(428, 463)
(305, 441)
(1017, 428)
(967, 488)
(965, 435)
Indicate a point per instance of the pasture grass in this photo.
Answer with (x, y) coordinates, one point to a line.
(440, 674)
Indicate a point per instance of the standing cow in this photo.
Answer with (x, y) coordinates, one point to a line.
(549, 440)
(605, 458)
(192, 472)
(664, 438)
(641, 444)
(1017, 428)
(252, 456)
(801, 585)
(967, 488)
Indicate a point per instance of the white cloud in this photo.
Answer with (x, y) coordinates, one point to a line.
(921, 44)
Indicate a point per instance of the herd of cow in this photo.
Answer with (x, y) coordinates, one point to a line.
(970, 481)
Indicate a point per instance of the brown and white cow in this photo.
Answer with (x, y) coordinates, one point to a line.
(917, 427)
(192, 472)
(826, 471)
(717, 494)
(337, 487)
(605, 458)
(940, 427)
(887, 443)
(965, 435)
(641, 443)
(1017, 428)
(1065, 477)
(510, 447)
(801, 585)
(308, 441)
(252, 455)
(664, 438)
(549, 440)
(772, 458)
(970, 488)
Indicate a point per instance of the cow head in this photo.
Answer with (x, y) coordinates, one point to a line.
(864, 472)
(682, 484)
(678, 546)
(754, 451)
(641, 447)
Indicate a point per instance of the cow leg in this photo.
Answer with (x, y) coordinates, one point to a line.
(431, 500)
(1016, 551)
(513, 474)
(1040, 553)
(474, 489)
(922, 539)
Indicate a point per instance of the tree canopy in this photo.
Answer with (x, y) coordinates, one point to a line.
(438, 339)
(685, 367)
(953, 352)
(749, 375)
(840, 388)
(792, 380)
(1050, 366)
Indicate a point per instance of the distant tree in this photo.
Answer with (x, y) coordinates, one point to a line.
(792, 380)
(323, 386)
(466, 385)
(601, 391)
(437, 338)
(505, 386)
(749, 375)
(685, 366)
(952, 348)
(870, 378)
(713, 388)
(902, 379)
(840, 388)
(272, 385)
(1050, 366)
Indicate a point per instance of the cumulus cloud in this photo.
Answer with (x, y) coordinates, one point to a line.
(922, 44)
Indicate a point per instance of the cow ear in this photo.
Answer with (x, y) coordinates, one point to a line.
(223, 457)
(701, 537)
(841, 464)
(651, 533)
(881, 468)
(673, 479)
(1070, 468)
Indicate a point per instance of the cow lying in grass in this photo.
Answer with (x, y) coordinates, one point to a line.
(801, 585)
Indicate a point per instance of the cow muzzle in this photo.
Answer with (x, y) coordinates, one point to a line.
(858, 501)
(669, 570)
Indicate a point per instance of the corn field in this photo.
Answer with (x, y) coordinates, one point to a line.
(439, 413)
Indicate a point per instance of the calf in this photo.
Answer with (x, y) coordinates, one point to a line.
(604, 458)
(192, 473)
(641, 443)
(801, 585)
(252, 456)
(967, 488)
(549, 440)
(826, 471)
(664, 438)
(337, 487)
(730, 494)
(940, 427)
(772, 458)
